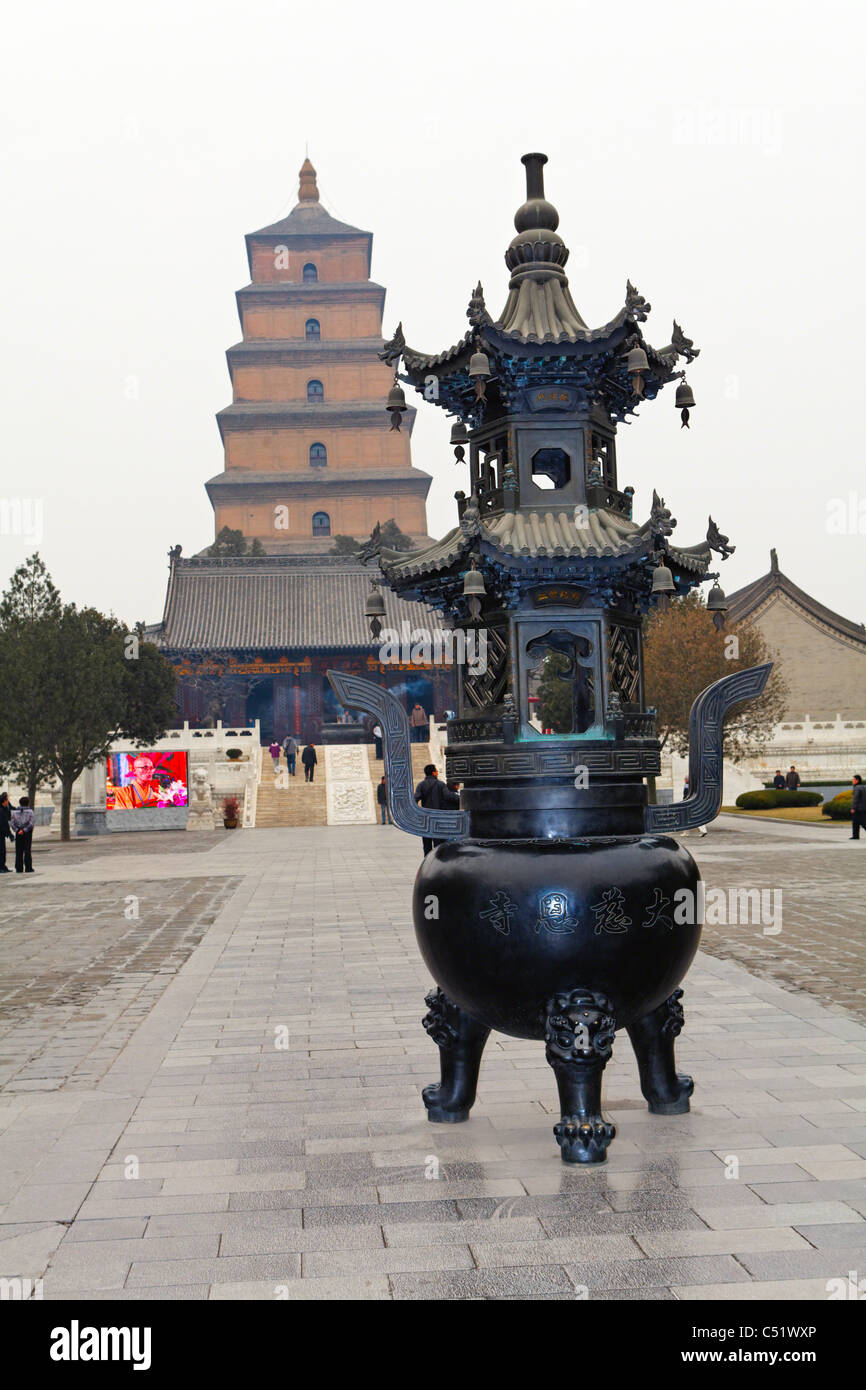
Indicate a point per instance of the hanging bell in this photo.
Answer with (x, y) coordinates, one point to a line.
(479, 371)
(375, 611)
(685, 402)
(637, 364)
(396, 404)
(663, 581)
(717, 604)
(474, 590)
(459, 437)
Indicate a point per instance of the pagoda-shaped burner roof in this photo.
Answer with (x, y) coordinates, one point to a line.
(514, 537)
(541, 332)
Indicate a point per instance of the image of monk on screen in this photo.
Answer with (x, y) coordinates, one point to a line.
(143, 790)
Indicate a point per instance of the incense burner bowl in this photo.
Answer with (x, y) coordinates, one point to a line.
(566, 940)
(505, 926)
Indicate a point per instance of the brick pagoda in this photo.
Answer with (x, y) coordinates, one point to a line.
(307, 456)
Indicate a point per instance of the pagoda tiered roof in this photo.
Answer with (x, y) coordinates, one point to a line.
(540, 338)
(532, 545)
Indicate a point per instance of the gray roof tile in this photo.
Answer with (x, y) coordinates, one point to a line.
(304, 604)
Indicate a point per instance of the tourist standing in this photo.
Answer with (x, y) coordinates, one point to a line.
(22, 822)
(382, 798)
(274, 751)
(858, 806)
(779, 780)
(377, 738)
(792, 779)
(5, 832)
(309, 759)
(433, 796)
(290, 748)
(419, 724)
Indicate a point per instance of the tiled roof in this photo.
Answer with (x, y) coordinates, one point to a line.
(748, 600)
(274, 604)
(531, 534)
(309, 219)
(555, 533)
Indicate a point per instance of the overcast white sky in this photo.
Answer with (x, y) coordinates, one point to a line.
(711, 153)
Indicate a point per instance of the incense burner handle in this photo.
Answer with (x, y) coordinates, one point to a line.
(356, 693)
(705, 751)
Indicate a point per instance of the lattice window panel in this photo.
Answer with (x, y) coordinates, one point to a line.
(624, 663)
(488, 688)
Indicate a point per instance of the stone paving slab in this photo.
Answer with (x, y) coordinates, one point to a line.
(237, 1113)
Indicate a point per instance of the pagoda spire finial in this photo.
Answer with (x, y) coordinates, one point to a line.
(308, 191)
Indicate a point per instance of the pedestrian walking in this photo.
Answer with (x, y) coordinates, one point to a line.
(22, 822)
(792, 779)
(858, 806)
(274, 751)
(419, 724)
(779, 780)
(290, 748)
(434, 796)
(309, 759)
(377, 738)
(382, 798)
(5, 831)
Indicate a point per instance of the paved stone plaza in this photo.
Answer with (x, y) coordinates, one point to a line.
(211, 1055)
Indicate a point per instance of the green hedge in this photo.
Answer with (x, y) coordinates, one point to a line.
(768, 800)
(840, 807)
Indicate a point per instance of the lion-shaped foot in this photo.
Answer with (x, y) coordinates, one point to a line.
(443, 1107)
(675, 1102)
(583, 1140)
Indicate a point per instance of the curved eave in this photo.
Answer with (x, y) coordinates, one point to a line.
(525, 540)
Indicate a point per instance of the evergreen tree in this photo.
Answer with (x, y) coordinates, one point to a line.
(229, 542)
(29, 609)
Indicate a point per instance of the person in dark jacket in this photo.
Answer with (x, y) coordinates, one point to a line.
(858, 806)
(434, 796)
(5, 832)
(792, 779)
(382, 798)
(22, 822)
(779, 780)
(309, 759)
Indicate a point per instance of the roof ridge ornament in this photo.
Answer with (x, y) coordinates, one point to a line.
(638, 307)
(718, 542)
(683, 346)
(477, 313)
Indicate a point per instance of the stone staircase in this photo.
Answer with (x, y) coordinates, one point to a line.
(420, 759)
(300, 803)
(303, 804)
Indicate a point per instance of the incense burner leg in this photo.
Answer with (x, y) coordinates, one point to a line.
(460, 1039)
(665, 1089)
(579, 1036)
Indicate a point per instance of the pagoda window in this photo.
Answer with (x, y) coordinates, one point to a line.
(561, 681)
(310, 273)
(312, 330)
(318, 456)
(315, 392)
(551, 468)
(321, 524)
